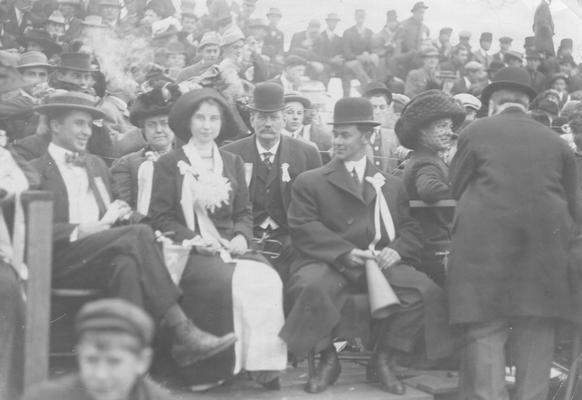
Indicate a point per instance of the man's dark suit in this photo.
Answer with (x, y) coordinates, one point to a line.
(124, 173)
(269, 192)
(327, 48)
(123, 261)
(517, 210)
(329, 217)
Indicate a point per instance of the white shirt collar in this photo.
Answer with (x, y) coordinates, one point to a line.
(359, 165)
(273, 150)
(330, 34)
(58, 153)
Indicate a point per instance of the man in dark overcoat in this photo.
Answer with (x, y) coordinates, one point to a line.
(273, 161)
(332, 223)
(95, 244)
(516, 186)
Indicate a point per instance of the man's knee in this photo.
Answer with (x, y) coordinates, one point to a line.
(317, 280)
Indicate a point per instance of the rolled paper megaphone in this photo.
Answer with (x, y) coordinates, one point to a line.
(380, 293)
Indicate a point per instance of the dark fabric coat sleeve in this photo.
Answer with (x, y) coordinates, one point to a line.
(347, 46)
(313, 159)
(308, 233)
(430, 184)
(242, 214)
(572, 186)
(463, 167)
(165, 209)
(121, 179)
(408, 242)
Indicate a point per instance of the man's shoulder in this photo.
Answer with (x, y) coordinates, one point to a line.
(65, 388)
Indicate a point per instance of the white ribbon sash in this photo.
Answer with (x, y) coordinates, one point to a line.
(145, 176)
(381, 211)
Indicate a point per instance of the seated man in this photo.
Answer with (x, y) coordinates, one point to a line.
(209, 49)
(90, 249)
(114, 355)
(132, 174)
(273, 161)
(341, 215)
(293, 72)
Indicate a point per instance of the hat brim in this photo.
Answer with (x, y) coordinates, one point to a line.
(355, 122)
(95, 112)
(36, 65)
(298, 99)
(76, 69)
(494, 86)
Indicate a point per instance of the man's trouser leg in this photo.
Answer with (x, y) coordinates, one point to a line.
(482, 372)
(356, 67)
(532, 345)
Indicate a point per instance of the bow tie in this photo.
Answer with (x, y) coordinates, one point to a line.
(76, 159)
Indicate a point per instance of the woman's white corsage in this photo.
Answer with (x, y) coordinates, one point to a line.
(285, 177)
(209, 189)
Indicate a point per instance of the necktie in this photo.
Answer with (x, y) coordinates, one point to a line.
(267, 159)
(355, 176)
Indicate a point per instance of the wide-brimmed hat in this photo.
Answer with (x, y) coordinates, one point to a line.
(423, 109)
(353, 111)
(32, 59)
(509, 78)
(158, 101)
(419, 6)
(41, 37)
(76, 62)
(210, 38)
(274, 11)
(65, 101)
(267, 97)
(182, 111)
(375, 88)
(296, 97)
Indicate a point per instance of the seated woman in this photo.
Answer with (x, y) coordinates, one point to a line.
(201, 194)
(427, 127)
(133, 173)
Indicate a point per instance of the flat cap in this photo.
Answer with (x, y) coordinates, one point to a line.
(115, 315)
(474, 66)
(505, 39)
(465, 34)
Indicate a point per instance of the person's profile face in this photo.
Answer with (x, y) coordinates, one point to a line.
(110, 363)
(349, 144)
(73, 131)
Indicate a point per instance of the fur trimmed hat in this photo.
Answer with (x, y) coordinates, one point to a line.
(422, 110)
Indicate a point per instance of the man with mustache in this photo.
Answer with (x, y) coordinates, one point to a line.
(272, 163)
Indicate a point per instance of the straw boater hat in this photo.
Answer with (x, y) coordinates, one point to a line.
(425, 108)
(32, 59)
(353, 111)
(158, 101)
(70, 101)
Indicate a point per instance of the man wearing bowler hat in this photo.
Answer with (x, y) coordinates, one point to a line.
(114, 354)
(517, 191)
(341, 215)
(272, 163)
(98, 241)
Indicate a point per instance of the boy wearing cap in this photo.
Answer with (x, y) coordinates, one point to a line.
(114, 355)
(330, 219)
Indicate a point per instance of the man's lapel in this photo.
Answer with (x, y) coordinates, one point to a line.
(53, 182)
(338, 175)
(285, 157)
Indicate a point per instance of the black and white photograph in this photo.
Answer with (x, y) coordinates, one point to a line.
(290, 199)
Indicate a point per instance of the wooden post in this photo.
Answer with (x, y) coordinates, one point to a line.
(38, 208)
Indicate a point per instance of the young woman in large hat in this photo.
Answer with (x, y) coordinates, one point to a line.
(202, 196)
(427, 126)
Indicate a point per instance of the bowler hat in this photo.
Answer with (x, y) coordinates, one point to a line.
(428, 106)
(505, 39)
(43, 38)
(158, 101)
(375, 88)
(486, 37)
(65, 101)
(32, 59)
(418, 6)
(353, 111)
(116, 315)
(509, 78)
(275, 11)
(182, 111)
(566, 43)
(76, 62)
(296, 97)
(267, 97)
(210, 38)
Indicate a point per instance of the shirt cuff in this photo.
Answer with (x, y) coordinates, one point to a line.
(74, 236)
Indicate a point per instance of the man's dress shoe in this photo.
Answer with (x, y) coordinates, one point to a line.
(385, 374)
(328, 371)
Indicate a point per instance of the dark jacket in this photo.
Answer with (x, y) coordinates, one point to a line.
(166, 211)
(355, 44)
(124, 173)
(517, 190)
(543, 28)
(326, 48)
(70, 387)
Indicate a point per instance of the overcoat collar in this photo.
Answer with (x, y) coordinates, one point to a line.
(339, 176)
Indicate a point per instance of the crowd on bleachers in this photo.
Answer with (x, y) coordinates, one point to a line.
(159, 130)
